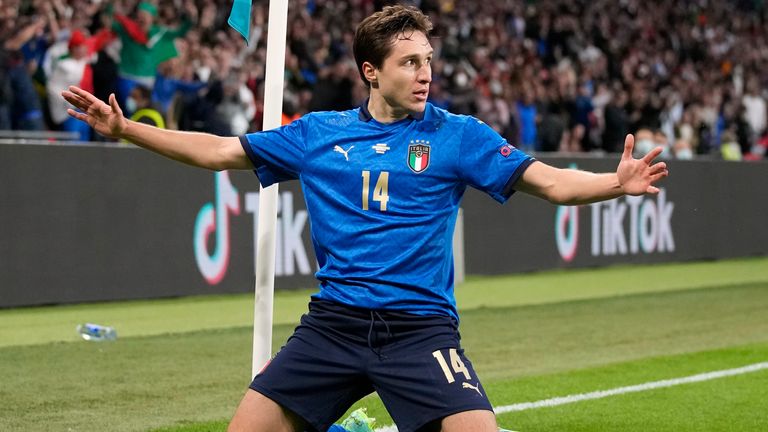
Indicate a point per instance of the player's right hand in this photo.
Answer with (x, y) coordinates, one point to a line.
(107, 120)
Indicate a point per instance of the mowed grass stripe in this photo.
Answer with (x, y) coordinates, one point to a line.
(600, 394)
(38, 325)
(734, 403)
(198, 377)
(548, 338)
(522, 389)
(578, 284)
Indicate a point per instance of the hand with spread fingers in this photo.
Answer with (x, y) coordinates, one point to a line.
(638, 176)
(106, 119)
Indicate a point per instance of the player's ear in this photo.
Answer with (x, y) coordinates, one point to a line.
(370, 73)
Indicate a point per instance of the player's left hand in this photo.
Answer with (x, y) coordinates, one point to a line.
(639, 176)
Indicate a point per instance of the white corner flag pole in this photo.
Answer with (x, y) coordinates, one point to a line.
(267, 222)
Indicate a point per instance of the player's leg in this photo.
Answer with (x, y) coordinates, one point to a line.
(470, 421)
(313, 379)
(258, 413)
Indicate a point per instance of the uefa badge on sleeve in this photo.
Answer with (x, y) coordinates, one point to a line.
(418, 155)
(506, 149)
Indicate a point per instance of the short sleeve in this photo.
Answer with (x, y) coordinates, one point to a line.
(488, 162)
(277, 154)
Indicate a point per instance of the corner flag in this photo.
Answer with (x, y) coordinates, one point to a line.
(240, 18)
(264, 284)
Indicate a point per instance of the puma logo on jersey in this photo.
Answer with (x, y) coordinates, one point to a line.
(342, 151)
(467, 385)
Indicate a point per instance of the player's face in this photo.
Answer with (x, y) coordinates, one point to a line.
(404, 77)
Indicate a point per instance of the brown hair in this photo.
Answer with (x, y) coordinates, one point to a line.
(376, 34)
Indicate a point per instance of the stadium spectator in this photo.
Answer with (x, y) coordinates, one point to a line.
(197, 112)
(729, 148)
(333, 89)
(141, 109)
(289, 111)
(755, 110)
(173, 78)
(25, 108)
(643, 142)
(385, 316)
(683, 150)
(759, 150)
(615, 121)
(145, 44)
(74, 68)
(237, 107)
(527, 120)
(661, 140)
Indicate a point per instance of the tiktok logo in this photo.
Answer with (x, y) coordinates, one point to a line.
(631, 225)
(649, 229)
(291, 255)
(210, 220)
(567, 231)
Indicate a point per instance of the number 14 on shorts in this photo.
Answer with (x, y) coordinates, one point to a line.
(456, 365)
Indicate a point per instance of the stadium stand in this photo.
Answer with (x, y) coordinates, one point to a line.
(549, 75)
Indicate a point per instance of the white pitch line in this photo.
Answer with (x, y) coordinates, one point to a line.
(617, 391)
(630, 389)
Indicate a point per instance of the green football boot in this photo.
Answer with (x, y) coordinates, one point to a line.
(358, 421)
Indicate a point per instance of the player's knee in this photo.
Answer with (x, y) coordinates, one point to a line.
(258, 413)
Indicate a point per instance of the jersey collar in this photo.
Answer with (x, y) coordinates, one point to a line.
(365, 115)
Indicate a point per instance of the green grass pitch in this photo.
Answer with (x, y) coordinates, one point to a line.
(181, 365)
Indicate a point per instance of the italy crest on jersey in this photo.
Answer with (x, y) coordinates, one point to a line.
(418, 155)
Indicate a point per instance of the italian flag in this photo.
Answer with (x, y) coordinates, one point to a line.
(418, 161)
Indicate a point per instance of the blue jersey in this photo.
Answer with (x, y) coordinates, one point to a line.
(383, 198)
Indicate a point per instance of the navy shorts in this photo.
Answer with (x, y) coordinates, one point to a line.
(339, 354)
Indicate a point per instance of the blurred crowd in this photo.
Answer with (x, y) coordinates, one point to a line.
(549, 75)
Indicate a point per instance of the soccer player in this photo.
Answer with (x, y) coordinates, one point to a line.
(382, 184)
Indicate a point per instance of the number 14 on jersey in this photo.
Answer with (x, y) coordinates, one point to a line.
(380, 190)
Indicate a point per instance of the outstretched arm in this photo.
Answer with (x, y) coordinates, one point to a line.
(193, 148)
(574, 187)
